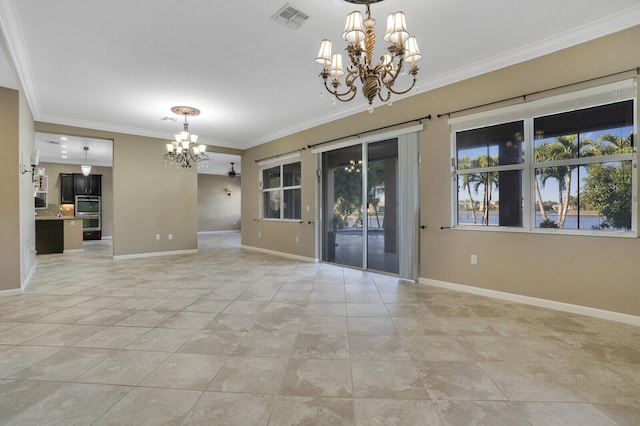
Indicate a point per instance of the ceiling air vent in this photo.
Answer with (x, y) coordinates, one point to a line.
(290, 17)
(52, 142)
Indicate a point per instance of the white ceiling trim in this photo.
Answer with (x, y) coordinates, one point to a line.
(10, 26)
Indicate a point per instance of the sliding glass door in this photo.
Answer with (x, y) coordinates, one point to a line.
(360, 206)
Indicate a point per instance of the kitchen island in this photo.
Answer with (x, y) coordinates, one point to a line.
(58, 234)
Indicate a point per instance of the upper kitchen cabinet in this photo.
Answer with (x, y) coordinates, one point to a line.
(87, 185)
(67, 189)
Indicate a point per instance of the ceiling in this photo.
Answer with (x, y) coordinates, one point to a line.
(120, 65)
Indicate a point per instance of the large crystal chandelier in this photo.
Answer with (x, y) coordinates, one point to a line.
(184, 152)
(377, 79)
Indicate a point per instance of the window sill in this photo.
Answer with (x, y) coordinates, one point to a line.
(547, 231)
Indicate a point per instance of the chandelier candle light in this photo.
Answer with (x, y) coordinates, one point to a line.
(184, 151)
(361, 41)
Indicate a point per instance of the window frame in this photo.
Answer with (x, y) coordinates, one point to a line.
(280, 162)
(527, 113)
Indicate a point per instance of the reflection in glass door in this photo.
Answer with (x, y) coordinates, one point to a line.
(342, 195)
(359, 233)
(382, 206)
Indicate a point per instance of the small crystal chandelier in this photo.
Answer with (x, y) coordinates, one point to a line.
(361, 39)
(86, 168)
(183, 151)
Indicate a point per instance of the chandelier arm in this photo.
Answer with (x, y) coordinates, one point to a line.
(352, 75)
(384, 98)
(339, 96)
(395, 75)
(401, 92)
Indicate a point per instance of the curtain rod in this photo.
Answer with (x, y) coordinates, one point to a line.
(428, 117)
(524, 97)
(280, 155)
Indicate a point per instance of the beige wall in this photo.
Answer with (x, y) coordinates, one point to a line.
(218, 211)
(148, 198)
(9, 190)
(293, 237)
(598, 272)
(53, 171)
(17, 226)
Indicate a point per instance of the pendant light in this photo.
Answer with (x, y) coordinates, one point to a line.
(86, 168)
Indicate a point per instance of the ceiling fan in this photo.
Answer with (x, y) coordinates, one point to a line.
(232, 172)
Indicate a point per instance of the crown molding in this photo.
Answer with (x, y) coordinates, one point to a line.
(12, 32)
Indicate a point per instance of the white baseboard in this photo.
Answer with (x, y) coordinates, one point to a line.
(12, 292)
(543, 303)
(282, 254)
(107, 237)
(27, 279)
(155, 254)
(73, 251)
(228, 231)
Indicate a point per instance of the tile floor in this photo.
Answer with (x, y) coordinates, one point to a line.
(233, 337)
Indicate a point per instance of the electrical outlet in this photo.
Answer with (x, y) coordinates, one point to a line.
(297, 239)
(259, 234)
(307, 207)
(474, 259)
(157, 236)
(170, 237)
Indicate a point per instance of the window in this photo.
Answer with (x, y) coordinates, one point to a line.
(549, 165)
(584, 159)
(281, 191)
(490, 165)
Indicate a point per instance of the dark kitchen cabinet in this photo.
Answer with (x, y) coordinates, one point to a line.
(67, 188)
(49, 236)
(91, 235)
(87, 185)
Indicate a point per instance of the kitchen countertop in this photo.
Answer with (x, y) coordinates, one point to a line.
(58, 218)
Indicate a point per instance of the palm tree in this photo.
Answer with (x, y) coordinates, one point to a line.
(375, 183)
(488, 180)
(467, 180)
(563, 148)
(540, 154)
(615, 145)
